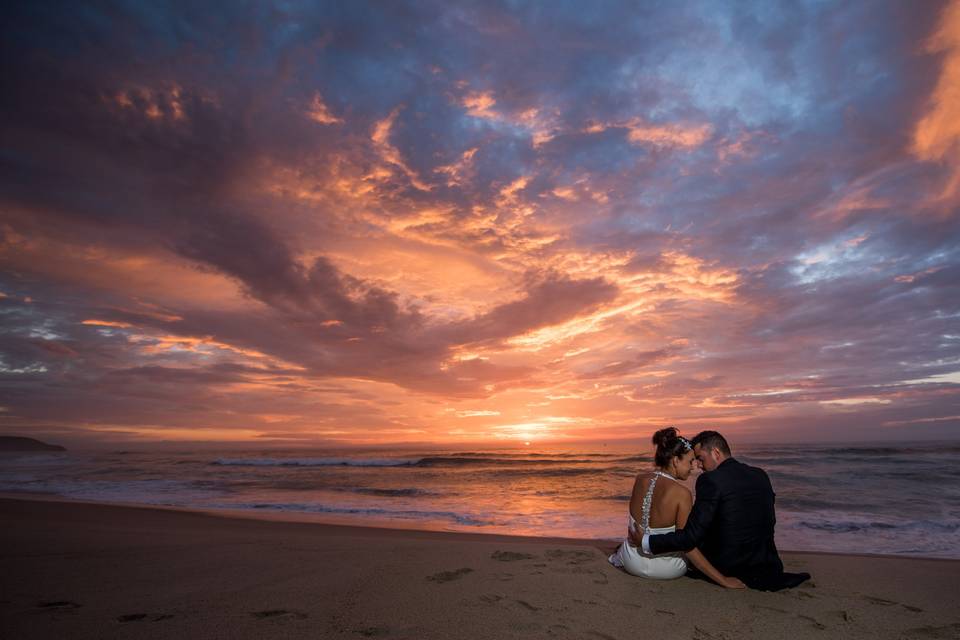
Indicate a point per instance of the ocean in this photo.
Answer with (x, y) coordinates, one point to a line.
(884, 499)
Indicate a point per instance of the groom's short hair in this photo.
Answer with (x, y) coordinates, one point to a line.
(711, 440)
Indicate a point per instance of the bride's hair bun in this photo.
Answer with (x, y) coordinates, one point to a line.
(669, 445)
(661, 437)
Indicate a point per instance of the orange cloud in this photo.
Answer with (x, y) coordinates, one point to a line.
(639, 132)
(390, 154)
(108, 323)
(479, 105)
(160, 103)
(161, 277)
(541, 126)
(202, 344)
(937, 134)
(457, 172)
(686, 136)
(320, 113)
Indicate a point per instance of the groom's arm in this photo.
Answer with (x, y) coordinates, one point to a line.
(698, 522)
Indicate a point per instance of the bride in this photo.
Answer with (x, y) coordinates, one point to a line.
(661, 504)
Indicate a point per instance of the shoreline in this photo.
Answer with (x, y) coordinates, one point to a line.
(231, 515)
(93, 570)
(389, 526)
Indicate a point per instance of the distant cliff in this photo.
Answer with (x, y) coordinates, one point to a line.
(19, 443)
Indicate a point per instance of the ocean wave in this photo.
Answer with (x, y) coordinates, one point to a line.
(315, 462)
(550, 472)
(454, 461)
(878, 451)
(407, 492)
(886, 451)
(499, 454)
(427, 461)
(301, 507)
(777, 475)
(807, 504)
(764, 462)
(142, 491)
(850, 526)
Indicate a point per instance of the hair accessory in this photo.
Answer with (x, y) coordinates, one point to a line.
(686, 443)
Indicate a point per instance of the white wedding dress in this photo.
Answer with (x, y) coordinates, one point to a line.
(634, 561)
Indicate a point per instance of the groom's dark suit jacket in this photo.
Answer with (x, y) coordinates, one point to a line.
(732, 523)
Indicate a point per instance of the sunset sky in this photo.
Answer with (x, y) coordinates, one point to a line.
(362, 223)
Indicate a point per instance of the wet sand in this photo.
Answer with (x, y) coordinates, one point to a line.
(74, 570)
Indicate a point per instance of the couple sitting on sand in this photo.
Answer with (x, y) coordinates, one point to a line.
(727, 533)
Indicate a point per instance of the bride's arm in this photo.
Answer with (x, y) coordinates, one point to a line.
(694, 555)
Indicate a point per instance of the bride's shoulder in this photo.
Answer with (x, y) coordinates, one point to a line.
(678, 488)
(678, 494)
(640, 479)
(678, 485)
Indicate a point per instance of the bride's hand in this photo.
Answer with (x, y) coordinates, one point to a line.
(733, 583)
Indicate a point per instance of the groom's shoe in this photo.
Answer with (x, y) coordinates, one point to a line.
(776, 582)
(791, 580)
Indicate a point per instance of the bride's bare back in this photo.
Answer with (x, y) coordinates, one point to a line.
(669, 505)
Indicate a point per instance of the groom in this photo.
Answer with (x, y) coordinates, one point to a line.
(731, 521)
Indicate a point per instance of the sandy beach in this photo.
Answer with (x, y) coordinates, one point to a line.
(75, 570)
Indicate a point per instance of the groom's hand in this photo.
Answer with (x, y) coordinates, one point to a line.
(733, 583)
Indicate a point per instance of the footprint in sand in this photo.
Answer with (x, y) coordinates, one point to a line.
(883, 602)
(946, 632)
(491, 598)
(131, 617)
(369, 632)
(702, 634)
(510, 556)
(526, 605)
(59, 604)
(572, 557)
(135, 617)
(757, 607)
(278, 613)
(841, 614)
(816, 623)
(447, 576)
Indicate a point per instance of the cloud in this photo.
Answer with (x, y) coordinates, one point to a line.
(320, 113)
(479, 105)
(937, 133)
(550, 301)
(360, 221)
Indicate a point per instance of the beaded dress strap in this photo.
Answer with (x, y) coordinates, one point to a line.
(647, 499)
